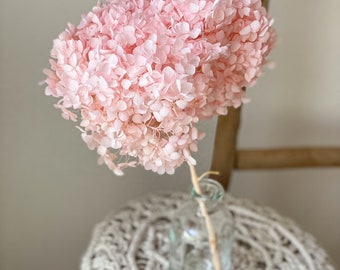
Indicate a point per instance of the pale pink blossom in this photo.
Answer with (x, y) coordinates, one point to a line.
(140, 74)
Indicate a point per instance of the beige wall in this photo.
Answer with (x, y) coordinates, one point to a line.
(51, 190)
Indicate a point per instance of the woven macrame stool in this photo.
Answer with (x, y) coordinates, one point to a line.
(136, 237)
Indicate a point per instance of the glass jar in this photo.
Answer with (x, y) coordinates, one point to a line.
(189, 237)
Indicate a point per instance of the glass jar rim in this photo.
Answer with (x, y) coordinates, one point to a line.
(211, 190)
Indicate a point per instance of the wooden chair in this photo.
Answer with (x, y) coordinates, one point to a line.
(226, 156)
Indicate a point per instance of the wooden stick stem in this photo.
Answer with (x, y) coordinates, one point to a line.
(209, 225)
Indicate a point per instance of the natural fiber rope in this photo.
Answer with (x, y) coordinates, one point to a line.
(136, 238)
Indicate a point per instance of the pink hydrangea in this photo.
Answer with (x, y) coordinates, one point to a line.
(141, 73)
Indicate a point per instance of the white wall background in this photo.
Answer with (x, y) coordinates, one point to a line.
(52, 192)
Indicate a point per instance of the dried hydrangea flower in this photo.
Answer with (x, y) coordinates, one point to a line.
(140, 74)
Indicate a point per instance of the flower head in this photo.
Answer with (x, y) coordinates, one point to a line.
(141, 73)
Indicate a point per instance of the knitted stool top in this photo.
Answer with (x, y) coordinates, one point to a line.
(136, 237)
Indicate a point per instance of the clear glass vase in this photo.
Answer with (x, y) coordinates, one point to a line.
(189, 237)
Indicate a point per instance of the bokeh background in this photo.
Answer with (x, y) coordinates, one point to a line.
(52, 192)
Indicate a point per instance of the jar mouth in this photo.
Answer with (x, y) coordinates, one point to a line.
(211, 190)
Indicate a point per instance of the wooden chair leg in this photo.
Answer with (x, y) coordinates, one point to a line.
(226, 141)
(225, 146)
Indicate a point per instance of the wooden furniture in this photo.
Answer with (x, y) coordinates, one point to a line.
(227, 157)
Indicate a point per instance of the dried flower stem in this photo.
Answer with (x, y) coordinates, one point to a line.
(211, 231)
